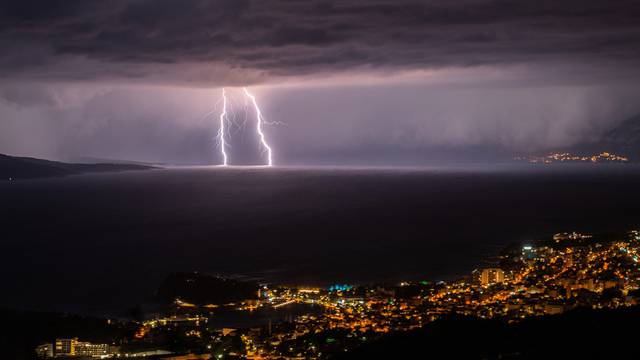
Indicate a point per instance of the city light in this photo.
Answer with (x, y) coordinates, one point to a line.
(543, 278)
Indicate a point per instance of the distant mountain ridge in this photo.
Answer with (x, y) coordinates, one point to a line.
(626, 136)
(624, 139)
(98, 160)
(201, 289)
(13, 167)
(619, 144)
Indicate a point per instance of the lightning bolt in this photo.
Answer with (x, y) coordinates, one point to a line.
(259, 121)
(221, 130)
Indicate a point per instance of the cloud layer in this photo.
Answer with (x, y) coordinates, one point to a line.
(381, 81)
(228, 42)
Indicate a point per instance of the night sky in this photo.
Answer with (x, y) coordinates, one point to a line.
(384, 81)
(430, 90)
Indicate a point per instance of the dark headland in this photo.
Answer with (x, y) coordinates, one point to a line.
(13, 168)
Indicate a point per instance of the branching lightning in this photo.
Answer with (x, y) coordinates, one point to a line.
(228, 115)
(259, 121)
(221, 130)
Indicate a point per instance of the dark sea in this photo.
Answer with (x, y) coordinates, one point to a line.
(101, 243)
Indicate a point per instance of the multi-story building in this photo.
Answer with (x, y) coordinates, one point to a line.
(89, 349)
(491, 276)
(65, 347)
(72, 347)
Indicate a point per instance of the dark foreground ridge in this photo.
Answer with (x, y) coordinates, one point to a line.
(202, 289)
(22, 331)
(573, 296)
(12, 168)
(579, 334)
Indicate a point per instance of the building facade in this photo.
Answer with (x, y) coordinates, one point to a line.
(491, 276)
(72, 347)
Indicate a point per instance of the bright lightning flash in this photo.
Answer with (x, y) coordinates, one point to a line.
(221, 130)
(259, 121)
(227, 109)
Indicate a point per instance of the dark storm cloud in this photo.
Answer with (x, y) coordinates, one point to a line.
(26, 96)
(369, 78)
(64, 39)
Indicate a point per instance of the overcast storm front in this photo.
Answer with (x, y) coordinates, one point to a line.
(278, 179)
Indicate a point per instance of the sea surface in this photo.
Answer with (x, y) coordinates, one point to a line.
(100, 243)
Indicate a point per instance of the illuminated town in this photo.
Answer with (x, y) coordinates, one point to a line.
(566, 157)
(570, 270)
